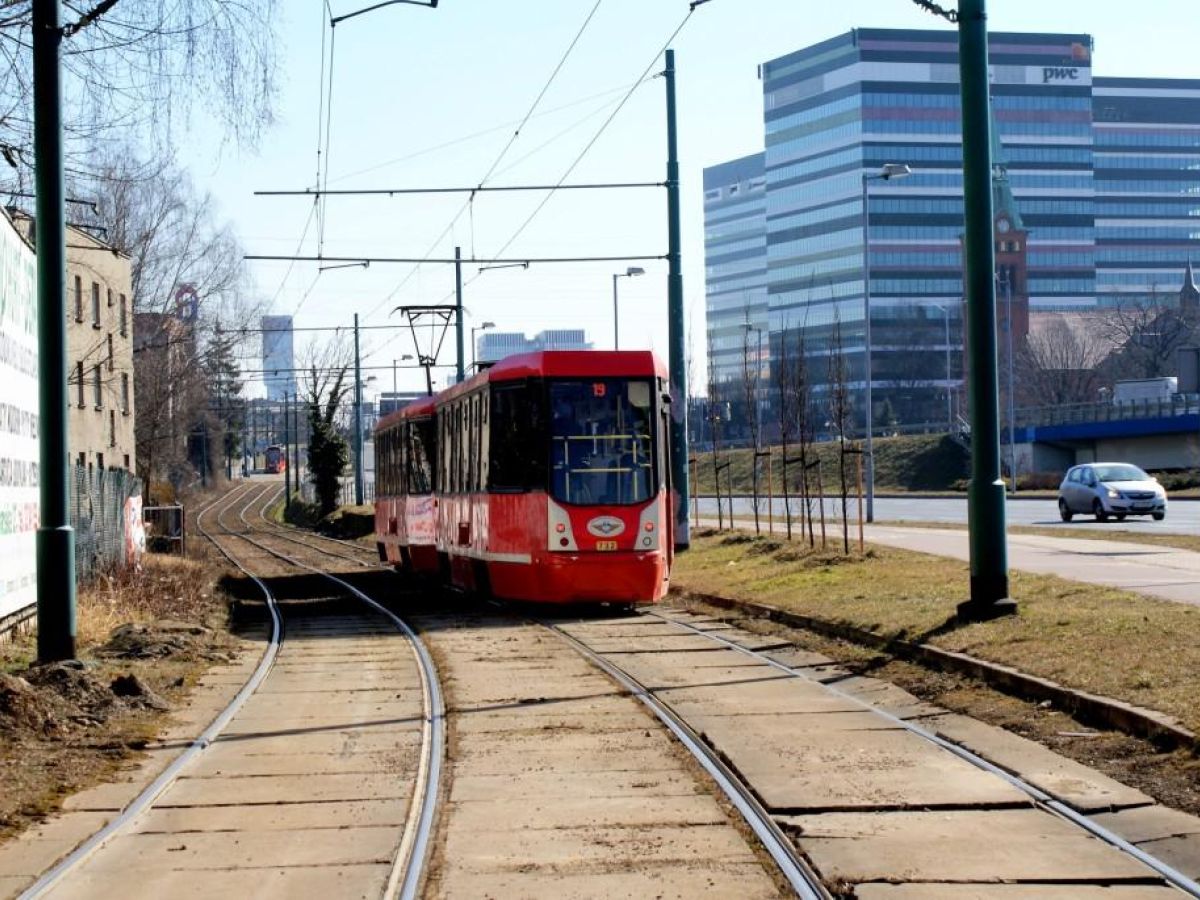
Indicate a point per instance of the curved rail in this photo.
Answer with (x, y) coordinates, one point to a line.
(804, 881)
(167, 777)
(276, 530)
(409, 862)
(1039, 797)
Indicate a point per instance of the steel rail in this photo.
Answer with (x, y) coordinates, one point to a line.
(276, 530)
(1040, 798)
(167, 777)
(411, 854)
(783, 851)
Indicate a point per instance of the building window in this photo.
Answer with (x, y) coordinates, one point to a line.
(78, 299)
(112, 428)
(82, 459)
(126, 460)
(79, 383)
(110, 296)
(125, 393)
(110, 352)
(97, 396)
(95, 305)
(100, 462)
(124, 323)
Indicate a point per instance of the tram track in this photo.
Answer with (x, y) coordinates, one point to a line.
(177, 794)
(691, 723)
(414, 847)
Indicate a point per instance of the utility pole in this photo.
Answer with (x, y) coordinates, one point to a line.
(55, 538)
(458, 316)
(985, 497)
(287, 468)
(296, 440)
(358, 437)
(677, 352)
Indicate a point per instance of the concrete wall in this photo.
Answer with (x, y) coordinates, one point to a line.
(1166, 451)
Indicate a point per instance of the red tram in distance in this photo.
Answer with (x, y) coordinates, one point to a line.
(543, 478)
(274, 460)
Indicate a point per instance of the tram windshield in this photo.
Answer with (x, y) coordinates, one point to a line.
(602, 441)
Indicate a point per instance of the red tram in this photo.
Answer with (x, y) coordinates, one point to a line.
(543, 478)
(275, 461)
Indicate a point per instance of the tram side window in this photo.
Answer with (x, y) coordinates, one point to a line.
(516, 441)
(421, 455)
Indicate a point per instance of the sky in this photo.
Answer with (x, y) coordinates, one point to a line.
(431, 97)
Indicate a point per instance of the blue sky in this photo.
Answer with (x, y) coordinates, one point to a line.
(425, 98)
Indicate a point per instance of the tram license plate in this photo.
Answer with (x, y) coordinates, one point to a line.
(606, 545)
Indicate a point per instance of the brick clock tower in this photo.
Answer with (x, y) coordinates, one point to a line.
(1012, 253)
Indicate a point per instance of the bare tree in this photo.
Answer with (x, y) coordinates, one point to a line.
(840, 417)
(327, 381)
(1058, 364)
(750, 397)
(188, 281)
(1146, 334)
(139, 67)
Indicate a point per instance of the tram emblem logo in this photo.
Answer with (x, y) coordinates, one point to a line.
(605, 526)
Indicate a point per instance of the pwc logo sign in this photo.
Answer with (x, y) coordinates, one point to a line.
(1059, 73)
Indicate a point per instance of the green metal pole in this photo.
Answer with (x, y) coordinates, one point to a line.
(358, 435)
(296, 439)
(55, 540)
(985, 497)
(676, 351)
(458, 312)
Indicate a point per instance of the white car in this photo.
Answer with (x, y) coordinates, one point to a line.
(1110, 489)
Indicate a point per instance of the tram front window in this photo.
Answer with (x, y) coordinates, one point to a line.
(602, 442)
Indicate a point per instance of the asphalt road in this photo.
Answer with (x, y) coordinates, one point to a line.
(1183, 516)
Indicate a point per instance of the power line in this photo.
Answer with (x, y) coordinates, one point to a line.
(445, 261)
(390, 192)
(533, 106)
(596, 136)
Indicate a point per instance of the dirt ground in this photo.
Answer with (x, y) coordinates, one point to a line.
(144, 638)
(1172, 778)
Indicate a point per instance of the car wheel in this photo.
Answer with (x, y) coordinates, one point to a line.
(1099, 511)
(1064, 511)
(1158, 516)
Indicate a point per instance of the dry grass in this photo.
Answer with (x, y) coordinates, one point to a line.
(1096, 639)
(166, 587)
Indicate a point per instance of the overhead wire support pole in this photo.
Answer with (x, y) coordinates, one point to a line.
(677, 352)
(432, 4)
(985, 498)
(287, 469)
(458, 313)
(451, 260)
(479, 189)
(55, 541)
(358, 435)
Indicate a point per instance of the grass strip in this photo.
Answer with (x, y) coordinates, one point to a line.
(1091, 638)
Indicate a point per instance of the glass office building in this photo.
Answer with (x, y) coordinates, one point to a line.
(278, 358)
(1147, 171)
(735, 260)
(1073, 155)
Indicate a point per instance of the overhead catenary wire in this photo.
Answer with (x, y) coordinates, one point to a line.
(496, 162)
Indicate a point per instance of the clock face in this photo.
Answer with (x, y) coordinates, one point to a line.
(1002, 225)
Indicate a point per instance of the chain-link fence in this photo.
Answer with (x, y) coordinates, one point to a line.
(106, 512)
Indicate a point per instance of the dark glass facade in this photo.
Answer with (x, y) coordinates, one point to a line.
(1104, 172)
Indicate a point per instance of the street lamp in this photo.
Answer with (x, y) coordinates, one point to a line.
(406, 356)
(949, 408)
(358, 438)
(887, 173)
(484, 327)
(631, 272)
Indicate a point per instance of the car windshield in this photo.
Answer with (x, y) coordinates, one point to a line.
(1120, 473)
(602, 451)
